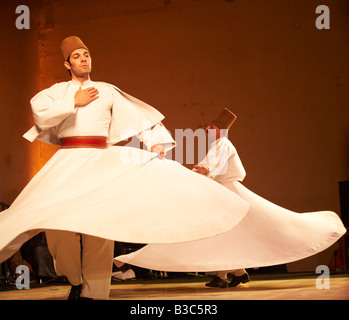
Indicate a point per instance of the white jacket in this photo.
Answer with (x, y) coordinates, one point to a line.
(55, 116)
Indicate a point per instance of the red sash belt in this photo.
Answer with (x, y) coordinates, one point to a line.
(84, 142)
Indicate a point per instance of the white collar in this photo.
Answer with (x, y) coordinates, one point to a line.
(87, 82)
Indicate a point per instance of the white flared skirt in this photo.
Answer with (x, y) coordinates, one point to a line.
(267, 235)
(122, 194)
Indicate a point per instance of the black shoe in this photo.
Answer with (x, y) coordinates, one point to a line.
(75, 292)
(237, 280)
(217, 282)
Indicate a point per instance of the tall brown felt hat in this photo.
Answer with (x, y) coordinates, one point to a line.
(225, 119)
(70, 44)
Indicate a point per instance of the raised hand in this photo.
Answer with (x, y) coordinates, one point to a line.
(158, 148)
(85, 96)
(201, 169)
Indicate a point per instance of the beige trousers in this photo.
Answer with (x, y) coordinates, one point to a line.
(83, 259)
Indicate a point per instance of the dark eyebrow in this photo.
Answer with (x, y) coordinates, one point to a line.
(78, 54)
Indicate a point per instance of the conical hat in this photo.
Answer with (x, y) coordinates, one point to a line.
(225, 119)
(70, 44)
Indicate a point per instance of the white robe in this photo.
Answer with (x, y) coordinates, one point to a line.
(267, 235)
(117, 193)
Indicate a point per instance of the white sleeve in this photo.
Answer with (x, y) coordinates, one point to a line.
(157, 135)
(48, 110)
(217, 159)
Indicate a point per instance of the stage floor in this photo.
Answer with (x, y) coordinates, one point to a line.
(269, 287)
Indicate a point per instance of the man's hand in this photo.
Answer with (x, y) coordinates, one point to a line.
(84, 97)
(201, 169)
(158, 148)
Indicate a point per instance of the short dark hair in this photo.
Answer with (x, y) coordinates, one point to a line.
(68, 60)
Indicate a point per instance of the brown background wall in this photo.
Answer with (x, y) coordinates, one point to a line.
(265, 60)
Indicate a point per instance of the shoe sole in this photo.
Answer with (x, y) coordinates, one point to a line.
(241, 282)
(221, 287)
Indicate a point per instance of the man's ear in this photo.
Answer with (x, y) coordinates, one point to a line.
(67, 65)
